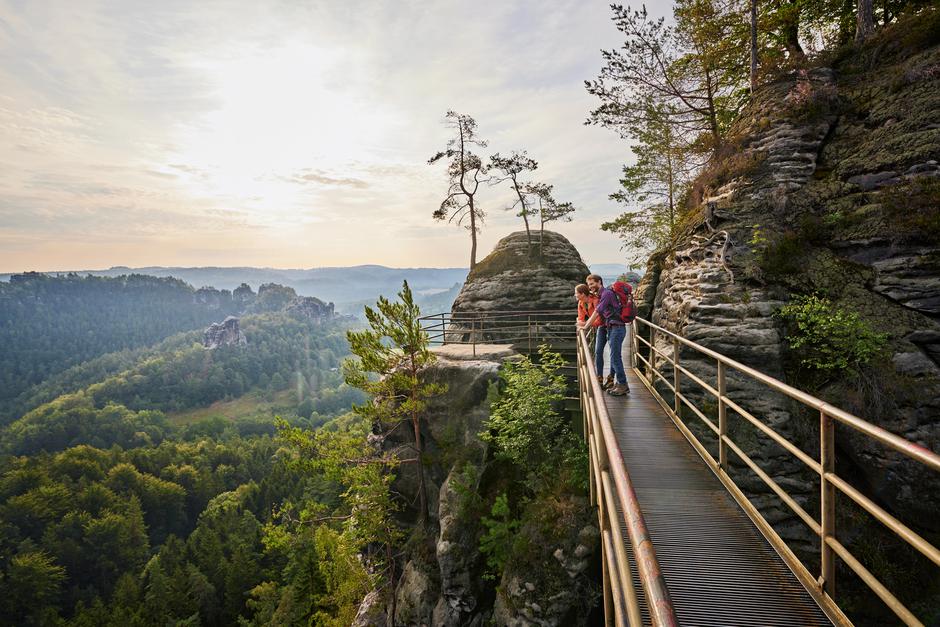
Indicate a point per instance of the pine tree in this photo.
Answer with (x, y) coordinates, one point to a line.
(465, 172)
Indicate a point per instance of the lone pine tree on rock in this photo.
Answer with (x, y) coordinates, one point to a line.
(465, 172)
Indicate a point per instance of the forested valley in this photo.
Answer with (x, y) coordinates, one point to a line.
(141, 480)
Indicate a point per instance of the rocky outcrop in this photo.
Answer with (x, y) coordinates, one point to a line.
(552, 590)
(226, 333)
(510, 279)
(829, 188)
(310, 308)
(442, 585)
(442, 581)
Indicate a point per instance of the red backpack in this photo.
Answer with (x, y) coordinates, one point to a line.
(624, 293)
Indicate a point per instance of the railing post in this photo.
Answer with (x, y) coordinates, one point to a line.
(722, 419)
(652, 360)
(675, 374)
(827, 503)
(443, 329)
(473, 335)
(635, 344)
(529, 329)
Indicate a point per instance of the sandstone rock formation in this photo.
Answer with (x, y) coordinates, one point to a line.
(311, 308)
(829, 187)
(226, 333)
(442, 583)
(508, 279)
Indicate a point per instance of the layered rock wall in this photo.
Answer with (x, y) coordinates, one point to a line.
(442, 583)
(829, 187)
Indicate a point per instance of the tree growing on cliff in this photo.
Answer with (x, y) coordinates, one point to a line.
(395, 348)
(694, 70)
(652, 187)
(465, 172)
(548, 208)
(525, 426)
(509, 169)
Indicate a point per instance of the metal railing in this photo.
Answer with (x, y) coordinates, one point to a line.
(822, 588)
(526, 329)
(610, 483)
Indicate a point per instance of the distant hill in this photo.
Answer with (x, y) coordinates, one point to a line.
(347, 287)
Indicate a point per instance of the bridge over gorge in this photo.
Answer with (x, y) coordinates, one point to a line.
(681, 541)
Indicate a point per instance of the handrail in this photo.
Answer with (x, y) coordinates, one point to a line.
(529, 327)
(606, 462)
(822, 588)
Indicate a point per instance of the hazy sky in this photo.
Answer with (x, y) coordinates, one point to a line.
(286, 134)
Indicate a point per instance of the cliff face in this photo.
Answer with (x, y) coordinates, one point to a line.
(829, 185)
(549, 575)
(442, 580)
(225, 333)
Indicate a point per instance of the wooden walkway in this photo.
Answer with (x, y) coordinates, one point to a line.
(718, 567)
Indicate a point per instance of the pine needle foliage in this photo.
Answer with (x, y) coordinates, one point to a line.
(396, 349)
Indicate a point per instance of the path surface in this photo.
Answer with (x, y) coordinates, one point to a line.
(719, 569)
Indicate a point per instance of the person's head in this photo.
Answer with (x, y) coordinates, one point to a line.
(581, 292)
(595, 282)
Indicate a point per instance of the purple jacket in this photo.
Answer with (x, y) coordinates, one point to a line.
(609, 308)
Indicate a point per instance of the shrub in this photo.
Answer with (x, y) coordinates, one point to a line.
(524, 424)
(830, 340)
(496, 543)
(773, 256)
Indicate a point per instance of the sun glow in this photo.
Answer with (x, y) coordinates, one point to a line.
(287, 122)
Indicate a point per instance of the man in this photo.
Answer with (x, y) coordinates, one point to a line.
(608, 307)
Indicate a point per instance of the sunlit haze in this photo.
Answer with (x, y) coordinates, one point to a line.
(286, 134)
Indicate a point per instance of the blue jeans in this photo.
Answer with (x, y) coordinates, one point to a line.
(615, 337)
(599, 343)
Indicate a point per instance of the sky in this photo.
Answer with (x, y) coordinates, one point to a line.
(289, 134)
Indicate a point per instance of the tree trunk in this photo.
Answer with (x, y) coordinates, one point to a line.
(753, 47)
(419, 449)
(473, 234)
(791, 34)
(712, 116)
(525, 216)
(391, 580)
(865, 22)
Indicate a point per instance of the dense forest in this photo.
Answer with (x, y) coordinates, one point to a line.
(62, 333)
(48, 323)
(137, 480)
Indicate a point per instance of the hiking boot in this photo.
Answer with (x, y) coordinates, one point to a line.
(620, 389)
(609, 383)
(600, 381)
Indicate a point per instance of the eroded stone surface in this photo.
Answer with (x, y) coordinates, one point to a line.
(226, 333)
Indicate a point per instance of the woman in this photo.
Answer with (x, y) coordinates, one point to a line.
(587, 302)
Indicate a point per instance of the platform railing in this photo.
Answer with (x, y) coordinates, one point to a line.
(821, 587)
(610, 484)
(527, 329)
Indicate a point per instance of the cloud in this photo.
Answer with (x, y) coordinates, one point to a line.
(309, 176)
(306, 125)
